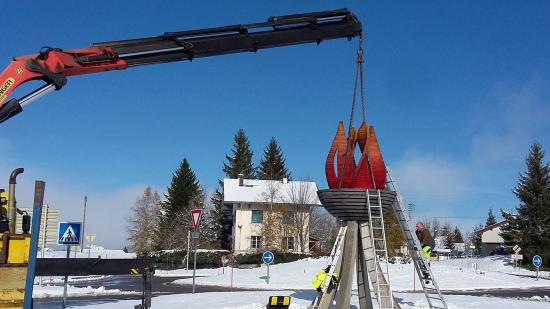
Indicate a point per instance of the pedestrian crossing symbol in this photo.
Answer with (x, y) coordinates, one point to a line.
(69, 233)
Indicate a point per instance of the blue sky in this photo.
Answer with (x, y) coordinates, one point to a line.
(456, 90)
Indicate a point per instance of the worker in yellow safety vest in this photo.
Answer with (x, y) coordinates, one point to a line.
(321, 277)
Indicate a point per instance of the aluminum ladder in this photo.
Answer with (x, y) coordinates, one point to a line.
(325, 297)
(379, 276)
(421, 264)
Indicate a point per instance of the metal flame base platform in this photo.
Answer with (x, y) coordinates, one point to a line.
(352, 204)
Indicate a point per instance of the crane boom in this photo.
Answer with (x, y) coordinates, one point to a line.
(54, 65)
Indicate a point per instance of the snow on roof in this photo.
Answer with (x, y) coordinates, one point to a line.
(490, 227)
(267, 191)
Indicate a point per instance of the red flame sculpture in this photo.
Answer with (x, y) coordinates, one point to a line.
(369, 173)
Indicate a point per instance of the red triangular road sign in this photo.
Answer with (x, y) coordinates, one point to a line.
(196, 215)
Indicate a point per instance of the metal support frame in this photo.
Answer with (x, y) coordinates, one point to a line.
(99, 266)
(39, 187)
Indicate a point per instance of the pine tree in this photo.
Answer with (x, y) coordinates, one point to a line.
(476, 239)
(272, 166)
(218, 223)
(184, 194)
(530, 228)
(490, 217)
(457, 235)
(447, 235)
(241, 160)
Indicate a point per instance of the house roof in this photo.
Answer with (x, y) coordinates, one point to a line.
(267, 191)
(490, 227)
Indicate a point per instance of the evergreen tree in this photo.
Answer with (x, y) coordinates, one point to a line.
(490, 217)
(183, 195)
(241, 160)
(457, 235)
(530, 228)
(476, 239)
(218, 223)
(447, 234)
(272, 166)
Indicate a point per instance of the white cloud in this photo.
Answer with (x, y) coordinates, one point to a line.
(107, 210)
(425, 177)
(506, 122)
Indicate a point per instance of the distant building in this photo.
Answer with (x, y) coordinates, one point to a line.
(490, 238)
(251, 204)
(48, 225)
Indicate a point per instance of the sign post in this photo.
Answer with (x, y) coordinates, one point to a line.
(537, 262)
(68, 234)
(516, 257)
(268, 258)
(196, 215)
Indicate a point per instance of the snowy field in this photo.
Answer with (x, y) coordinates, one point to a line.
(458, 274)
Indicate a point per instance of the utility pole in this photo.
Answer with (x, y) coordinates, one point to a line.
(84, 224)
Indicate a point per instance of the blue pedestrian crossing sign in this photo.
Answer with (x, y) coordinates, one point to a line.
(69, 233)
(537, 261)
(268, 257)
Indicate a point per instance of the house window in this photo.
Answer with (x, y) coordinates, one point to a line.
(255, 242)
(288, 243)
(288, 217)
(257, 216)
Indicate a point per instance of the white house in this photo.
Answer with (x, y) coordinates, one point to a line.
(490, 237)
(250, 202)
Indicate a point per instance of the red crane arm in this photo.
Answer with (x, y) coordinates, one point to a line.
(53, 65)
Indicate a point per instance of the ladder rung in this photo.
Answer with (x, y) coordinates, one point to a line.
(438, 298)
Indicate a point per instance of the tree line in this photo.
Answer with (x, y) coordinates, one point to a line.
(162, 223)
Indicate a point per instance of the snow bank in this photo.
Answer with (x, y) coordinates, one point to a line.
(57, 291)
(103, 253)
(206, 272)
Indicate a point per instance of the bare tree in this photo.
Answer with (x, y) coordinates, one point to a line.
(434, 226)
(302, 198)
(144, 221)
(323, 227)
(272, 227)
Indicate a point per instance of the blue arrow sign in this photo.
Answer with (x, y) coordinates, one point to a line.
(268, 257)
(537, 261)
(69, 233)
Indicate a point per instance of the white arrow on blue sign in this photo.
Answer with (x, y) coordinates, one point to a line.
(537, 260)
(69, 233)
(268, 257)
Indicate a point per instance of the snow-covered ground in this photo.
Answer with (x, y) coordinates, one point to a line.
(94, 252)
(57, 291)
(301, 299)
(184, 272)
(458, 274)
(294, 279)
(50, 280)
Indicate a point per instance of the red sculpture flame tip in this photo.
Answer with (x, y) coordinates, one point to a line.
(369, 173)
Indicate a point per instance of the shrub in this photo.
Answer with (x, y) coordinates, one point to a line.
(280, 257)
